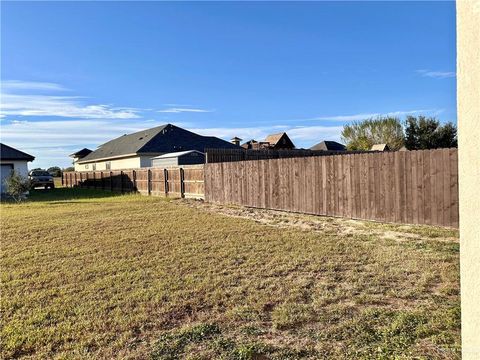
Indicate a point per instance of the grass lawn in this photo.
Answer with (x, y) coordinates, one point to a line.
(87, 274)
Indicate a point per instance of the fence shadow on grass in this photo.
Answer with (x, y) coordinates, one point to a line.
(59, 194)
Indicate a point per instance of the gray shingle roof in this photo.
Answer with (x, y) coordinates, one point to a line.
(328, 145)
(9, 153)
(156, 141)
(81, 153)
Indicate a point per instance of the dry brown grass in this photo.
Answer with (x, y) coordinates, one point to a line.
(87, 276)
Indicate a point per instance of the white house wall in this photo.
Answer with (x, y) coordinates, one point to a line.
(133, 162)
(20, 167)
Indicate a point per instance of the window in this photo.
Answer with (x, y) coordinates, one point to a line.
(86, 166)
(94, 167)
(108, 165)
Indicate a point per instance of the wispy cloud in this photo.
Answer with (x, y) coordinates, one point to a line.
(315, 133)
(63, 106)
(9, 85)
(177, 110)
(436, 74)
(303, 134)
(21, 104)
(363, 116)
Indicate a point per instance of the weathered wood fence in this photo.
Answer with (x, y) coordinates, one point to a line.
(415, 187)
(227, 155)
(176, 182)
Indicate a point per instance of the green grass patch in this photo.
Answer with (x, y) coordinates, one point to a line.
(92, 274)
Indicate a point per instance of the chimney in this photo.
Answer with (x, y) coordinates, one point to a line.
(236, 141)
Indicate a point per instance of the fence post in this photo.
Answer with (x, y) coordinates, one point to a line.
(134, 175)
(102, 180)
(182, 184)
(94, 181)
(149, 181)
(165, 179)
(111, 182)
(74, 179)
(121, 181)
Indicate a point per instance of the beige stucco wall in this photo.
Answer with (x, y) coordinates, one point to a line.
(468, 105)
(133, 162)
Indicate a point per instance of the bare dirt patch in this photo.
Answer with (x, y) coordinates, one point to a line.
(340, 226)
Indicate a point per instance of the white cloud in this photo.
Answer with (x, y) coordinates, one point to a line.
(63, 106)
(30, 85)
(437, 74)
(245, 133)
(177, 110)
(305, 134)
(301, 135)
(16, 102)
(363, 116)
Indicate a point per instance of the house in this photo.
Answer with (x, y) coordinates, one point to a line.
(380, 147)
(327, 145)
(255, 145)
(179, 159)
(272, 142)
(280, 141)
(12, 159)
(80, 154)
(136, 150)
(236, 141)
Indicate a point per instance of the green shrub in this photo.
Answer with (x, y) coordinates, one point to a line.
(17, 186)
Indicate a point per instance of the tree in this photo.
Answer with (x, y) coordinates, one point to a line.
(427, 133)
(381, 130)
(55, 171)
(70, 168)
(17, 186)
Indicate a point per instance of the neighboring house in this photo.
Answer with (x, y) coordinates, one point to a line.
(380, 147)
(273, 142)
(189, 157)
(78, 156)
(12, 159)
(236, 141)
(136, 150)
(255, 145)
(280, 141)
(329, 146)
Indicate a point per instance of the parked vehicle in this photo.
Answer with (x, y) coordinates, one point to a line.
(41, 178)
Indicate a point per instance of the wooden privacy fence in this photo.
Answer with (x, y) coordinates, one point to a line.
(177, 182)
(414, 187)
(227, 155)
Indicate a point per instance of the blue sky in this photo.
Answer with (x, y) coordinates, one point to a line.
(76, 74)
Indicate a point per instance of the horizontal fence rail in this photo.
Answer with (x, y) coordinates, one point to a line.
(413, 187)
(176, 182)
(228, 155)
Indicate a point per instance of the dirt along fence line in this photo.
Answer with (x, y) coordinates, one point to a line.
(175, 182)
(413, 187)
